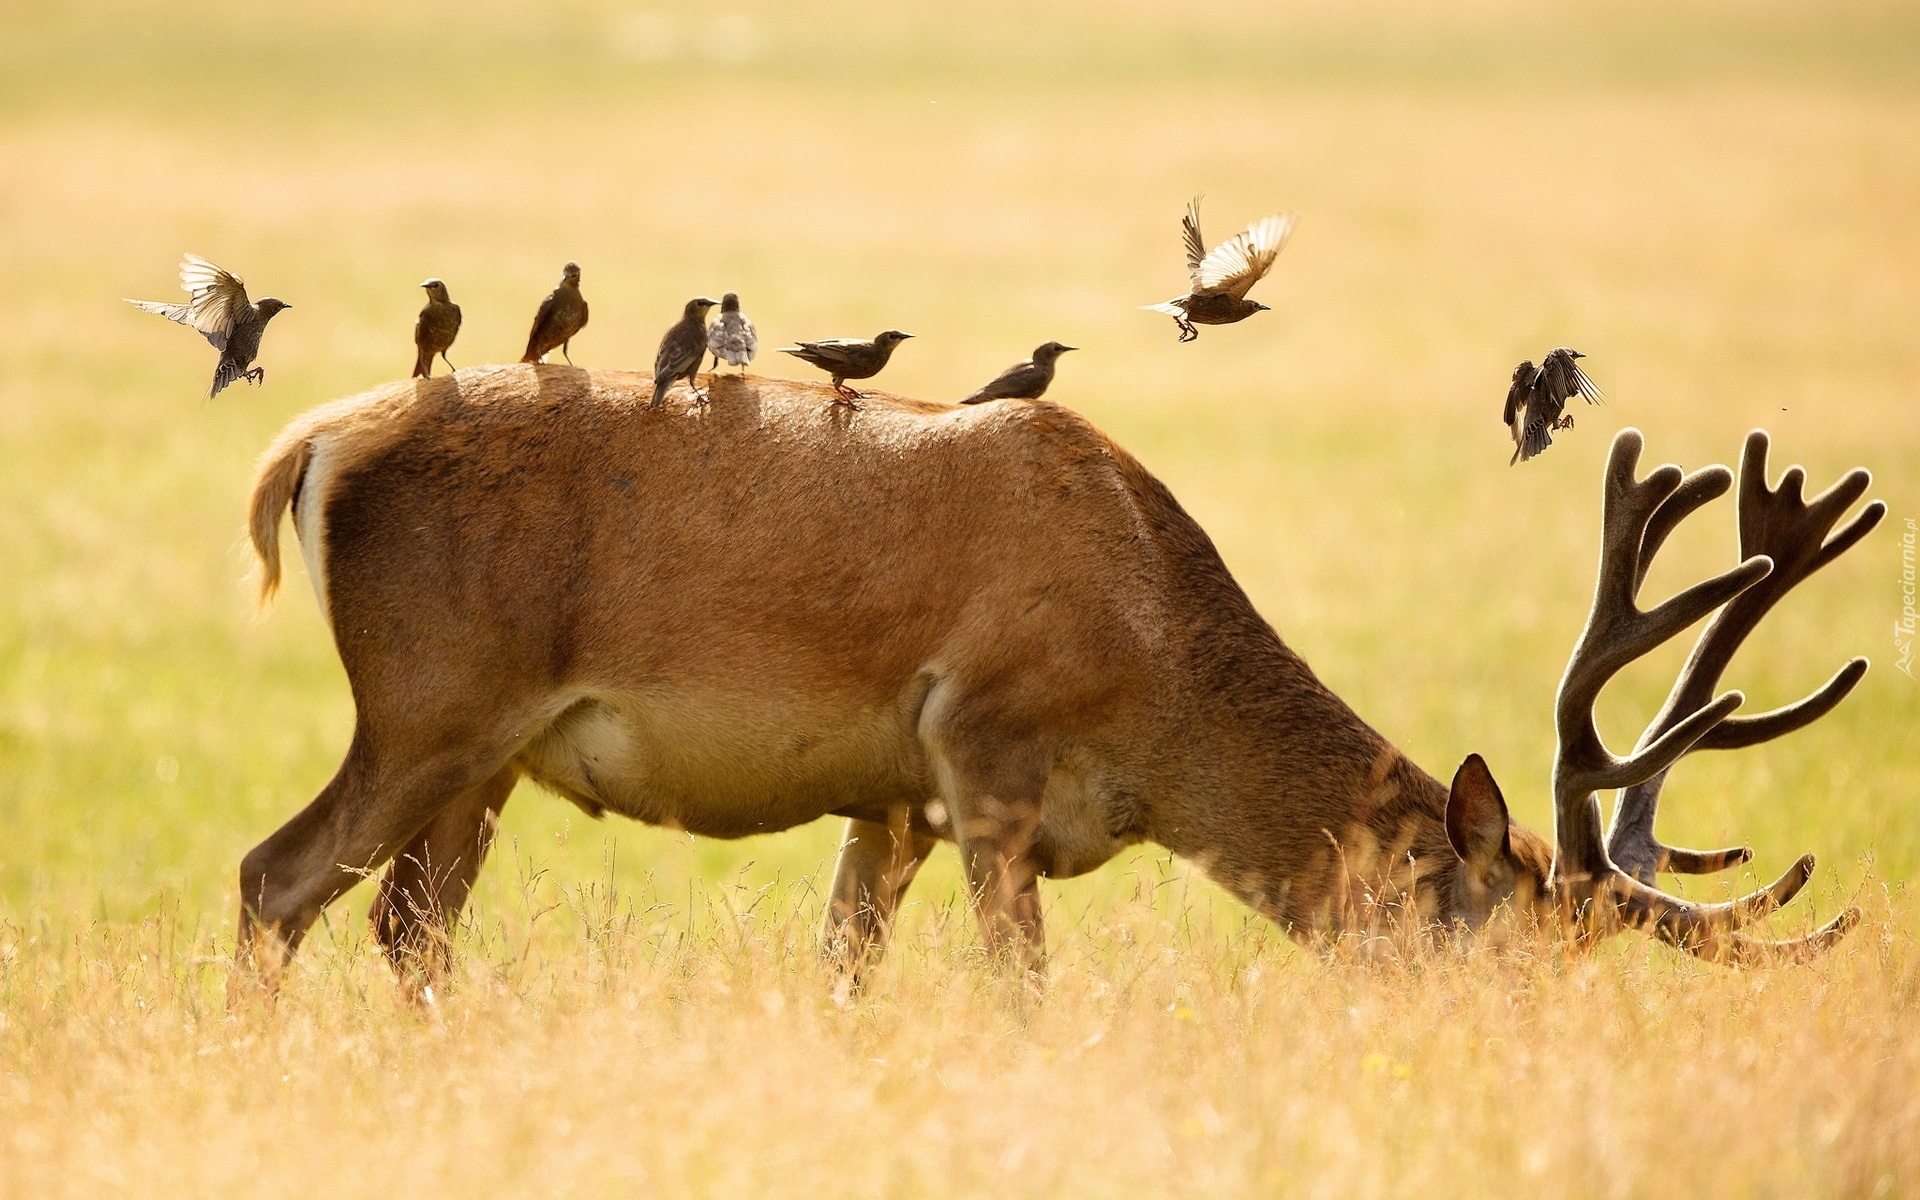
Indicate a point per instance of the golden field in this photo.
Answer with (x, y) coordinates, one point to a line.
(1716, 201)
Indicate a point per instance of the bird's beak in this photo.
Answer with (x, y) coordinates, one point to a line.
(426, 283)
(1064, 349)
(1577, 354)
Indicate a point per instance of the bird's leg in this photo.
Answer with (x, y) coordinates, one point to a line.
(1187, 331)
(715, 366)
(1565, 422)
(564, 352)
(845, 396)
(448, 361)
(700, 396)
(256, 375)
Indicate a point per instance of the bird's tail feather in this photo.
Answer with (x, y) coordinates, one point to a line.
(1535, 440)
(422, 364)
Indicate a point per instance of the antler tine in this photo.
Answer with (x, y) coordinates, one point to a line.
(1711, 931)
(1742, 950)
(1778, 525)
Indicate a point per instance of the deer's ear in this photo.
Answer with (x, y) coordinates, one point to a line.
(1476, 813)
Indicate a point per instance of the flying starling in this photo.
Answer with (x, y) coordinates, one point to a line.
(1537, 398)
(681, 351)
(1023, 380)
(562, 315)
(1221, 278)
(434, 332)
(849, 358)
(217, 306)
(731, 337)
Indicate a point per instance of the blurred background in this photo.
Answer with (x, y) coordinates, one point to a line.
(1716, 201)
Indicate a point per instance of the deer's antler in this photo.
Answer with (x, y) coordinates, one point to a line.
(1783, 539)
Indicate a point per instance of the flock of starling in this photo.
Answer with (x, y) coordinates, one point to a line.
(1218, 282)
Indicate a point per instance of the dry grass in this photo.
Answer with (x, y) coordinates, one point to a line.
(661, 1057)
(1714, 199)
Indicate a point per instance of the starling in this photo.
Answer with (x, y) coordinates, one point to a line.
(731, 337)
(562, 315)
(434, 332)
(849, 358)
(1221, 278)
(1023, 380)
(218, 308)
(1537, 398)
(681, 351)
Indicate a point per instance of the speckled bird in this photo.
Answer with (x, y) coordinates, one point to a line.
(1537, 397)
(681, 350)
(218, 308)
(434, 332)
(1023, 380)
(562, 315)
(731, 337)
(1219, 279)
(849, 358)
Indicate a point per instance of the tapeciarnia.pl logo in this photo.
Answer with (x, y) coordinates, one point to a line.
(1903, 628)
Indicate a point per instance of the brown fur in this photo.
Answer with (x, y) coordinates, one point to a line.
(985, 624)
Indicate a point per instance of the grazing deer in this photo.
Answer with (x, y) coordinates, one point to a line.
(988, 625)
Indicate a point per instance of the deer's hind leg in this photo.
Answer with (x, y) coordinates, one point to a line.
(376, 803)
(428, 882)
(876, 864)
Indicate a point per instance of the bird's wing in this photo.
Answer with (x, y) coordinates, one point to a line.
(1516, 404)
(1016, 380)
(1565, 379)
(1583, 386)
(172, 312)
(750, 336)
(217, 298)
(1236, 264)
(831, 351)
(1190, 234)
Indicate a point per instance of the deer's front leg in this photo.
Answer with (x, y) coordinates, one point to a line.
(996, 816)
(876, 864)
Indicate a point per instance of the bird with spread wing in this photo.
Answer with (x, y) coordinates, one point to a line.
(217, 307)
(1220, 278)
(1537, 400)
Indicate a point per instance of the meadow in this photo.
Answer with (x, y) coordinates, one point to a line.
(1714, 200)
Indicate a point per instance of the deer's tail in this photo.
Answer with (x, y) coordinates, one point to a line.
(275, 486)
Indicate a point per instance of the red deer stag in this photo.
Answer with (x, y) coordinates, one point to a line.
(987, 624)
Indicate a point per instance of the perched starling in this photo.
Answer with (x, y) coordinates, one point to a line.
(1023, 380)
(731, 337)
(849, 358)
(1537, 398)
(217, 306)
(562, 315)
(1221, 278)
(681, 351)
(434, 332)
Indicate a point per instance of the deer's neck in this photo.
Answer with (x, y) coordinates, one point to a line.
(1306, 812)
(1286, 797)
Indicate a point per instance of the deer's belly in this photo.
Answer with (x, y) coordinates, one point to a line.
(725, 766)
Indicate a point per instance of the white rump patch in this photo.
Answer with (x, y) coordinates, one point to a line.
(306, 519)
